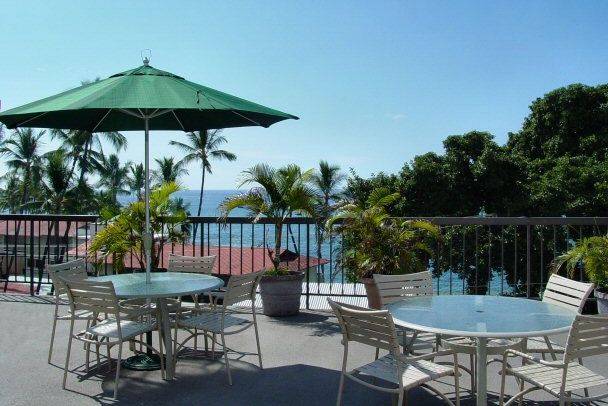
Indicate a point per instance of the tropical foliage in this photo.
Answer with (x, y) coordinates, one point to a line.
(123, 234)
(277, 194)
(375, 243)
(592, 255)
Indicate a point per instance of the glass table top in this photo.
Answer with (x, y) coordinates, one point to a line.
(481, 316)
(162, 284)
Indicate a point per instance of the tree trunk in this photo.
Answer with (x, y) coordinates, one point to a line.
(200, 205)
(85, 163)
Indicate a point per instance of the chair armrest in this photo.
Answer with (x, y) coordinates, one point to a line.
(533, 359)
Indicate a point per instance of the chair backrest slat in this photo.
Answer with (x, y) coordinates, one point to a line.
(181, 263)
(567, 293)
(393, 288)
(370, 327)
(76, 270)
(242, 287)
(588, 337)
(94, 296)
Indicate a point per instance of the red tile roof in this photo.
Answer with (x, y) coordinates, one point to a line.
(229, 260)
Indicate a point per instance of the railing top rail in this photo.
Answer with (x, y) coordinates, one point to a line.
(440, 221)
(524, 221)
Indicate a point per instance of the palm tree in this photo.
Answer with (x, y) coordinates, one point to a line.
(326, 182)
(23, 152)
(278, 195)
(168, 171)
(113, 176)
(203, 146)
(56, 183)
(85, 148)
(137, 180)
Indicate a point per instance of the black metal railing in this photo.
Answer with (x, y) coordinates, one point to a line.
(476, 255)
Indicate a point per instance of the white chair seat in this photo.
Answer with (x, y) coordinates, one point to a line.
(212, 321)
(109, 328)
(539, 345)
(550, 378)
(414, 373)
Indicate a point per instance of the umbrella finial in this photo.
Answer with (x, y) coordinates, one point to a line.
(145, 56)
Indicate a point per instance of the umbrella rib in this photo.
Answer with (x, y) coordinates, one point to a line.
(100, 121)
(178, 120)
(247, 118)
(126, 111)
(30, 119)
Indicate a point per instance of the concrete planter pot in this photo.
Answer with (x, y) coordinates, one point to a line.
(373, 295)
(602, 301)
(281, 294)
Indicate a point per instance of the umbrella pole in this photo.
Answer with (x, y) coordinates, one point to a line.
(147, 235)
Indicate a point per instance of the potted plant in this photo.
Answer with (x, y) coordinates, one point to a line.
(375, 243)
(592, 254)
(277, 195)
(123, 234)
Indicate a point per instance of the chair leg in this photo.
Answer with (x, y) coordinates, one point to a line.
(53, 332)
(117, 369)
(520, 401)
(401, 397)
(503, 379)
(162, 357)
(257, 341)
(213, 346)
(456, 380)
(195, 339)
(67, 357)
(226, 359)
(473, 374)
(340, 389)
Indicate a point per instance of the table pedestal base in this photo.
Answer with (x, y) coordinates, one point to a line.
(142, 362)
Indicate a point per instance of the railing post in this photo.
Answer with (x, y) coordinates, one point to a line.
(32, 258)
(528, 260)
(307, 265)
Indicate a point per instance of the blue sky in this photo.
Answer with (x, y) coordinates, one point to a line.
(375, 83)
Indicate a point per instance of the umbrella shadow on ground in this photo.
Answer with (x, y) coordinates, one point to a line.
(319, 324)
(204, 381)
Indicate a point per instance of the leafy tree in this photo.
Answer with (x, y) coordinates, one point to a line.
(203, 147)
(168, 170)
(277, 194)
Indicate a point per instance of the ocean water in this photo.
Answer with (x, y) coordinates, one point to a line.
(211, 201)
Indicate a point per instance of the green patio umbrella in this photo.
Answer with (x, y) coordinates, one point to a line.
(145, 99)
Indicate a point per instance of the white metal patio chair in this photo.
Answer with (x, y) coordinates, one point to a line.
(188, 264)
(100, 297)
(393, 288)
(562, 292)
(72, 270)
(588, 337)
(376, 328)
(225, 319)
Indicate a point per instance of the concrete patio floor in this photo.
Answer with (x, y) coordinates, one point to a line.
(302, 357)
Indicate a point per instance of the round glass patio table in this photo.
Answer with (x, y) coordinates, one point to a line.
(481, 317)
(163, 285)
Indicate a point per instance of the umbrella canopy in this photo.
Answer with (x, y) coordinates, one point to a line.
(119, 103)
(146, 99)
